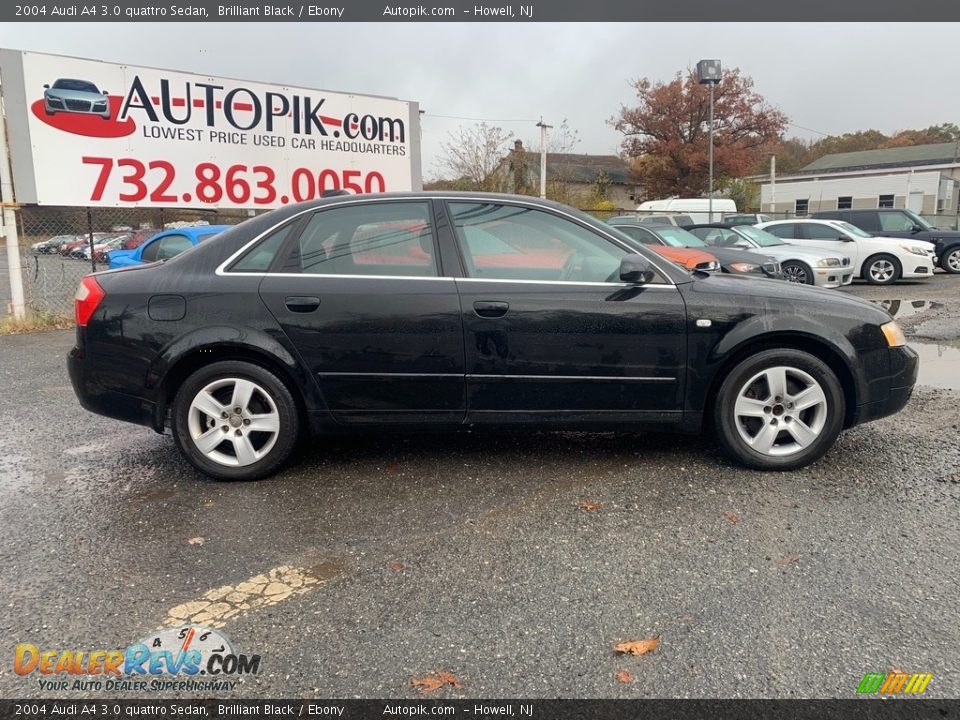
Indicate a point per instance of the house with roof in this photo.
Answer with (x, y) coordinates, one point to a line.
(580, 174)
(923, 178)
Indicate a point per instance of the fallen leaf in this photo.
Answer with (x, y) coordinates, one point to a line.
(448, 678)
(624, 677)
(731, 517)
(589, 506)
(393, 467)
(895, 669)
(427, 684)
(394, 565)
(788, 560)
(638, 647)
(195, 541)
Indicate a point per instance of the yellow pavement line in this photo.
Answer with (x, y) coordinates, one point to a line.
(229, 601)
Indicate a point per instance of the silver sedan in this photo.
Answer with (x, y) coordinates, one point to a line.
(808, 266)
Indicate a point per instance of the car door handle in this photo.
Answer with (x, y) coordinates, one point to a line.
(301, 303)
(490, 309)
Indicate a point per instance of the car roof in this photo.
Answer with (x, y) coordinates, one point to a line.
(194, 230)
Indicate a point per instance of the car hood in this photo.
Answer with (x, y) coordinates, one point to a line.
(791, 292)
(801, 252)
(76, 95)
(733, 255)
(901, 241)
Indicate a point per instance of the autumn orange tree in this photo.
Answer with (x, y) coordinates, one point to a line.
(665, 135)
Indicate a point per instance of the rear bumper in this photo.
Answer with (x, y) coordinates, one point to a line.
(93, 396)
(904, 365)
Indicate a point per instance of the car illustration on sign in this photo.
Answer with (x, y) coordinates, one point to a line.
(75, 96)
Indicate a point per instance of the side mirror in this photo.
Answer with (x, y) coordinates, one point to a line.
(844, 238)
(46, 87)
(743, 245)
(636, 269)
(916, 229)
(104, 92)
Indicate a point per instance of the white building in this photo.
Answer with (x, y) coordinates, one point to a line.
(924, 178)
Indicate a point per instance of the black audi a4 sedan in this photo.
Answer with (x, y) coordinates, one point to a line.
(452, 310)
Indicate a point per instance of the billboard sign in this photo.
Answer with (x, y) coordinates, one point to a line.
(90, 133)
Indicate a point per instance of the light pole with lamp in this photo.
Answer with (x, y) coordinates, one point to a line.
(709, 73)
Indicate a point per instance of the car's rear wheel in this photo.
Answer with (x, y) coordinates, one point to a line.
(779, 410)
(234, 420)
(950, 262)
(797, 272)
(882, 270)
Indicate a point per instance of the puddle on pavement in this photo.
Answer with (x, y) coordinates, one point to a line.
(939, 364)
(906, 308)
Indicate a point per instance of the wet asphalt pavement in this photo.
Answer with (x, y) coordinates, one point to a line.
(513, 561)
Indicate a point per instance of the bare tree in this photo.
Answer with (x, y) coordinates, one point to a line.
(473, 154)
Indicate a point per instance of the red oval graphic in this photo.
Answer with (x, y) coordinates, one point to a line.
(85, 123)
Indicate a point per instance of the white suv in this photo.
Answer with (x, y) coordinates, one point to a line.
(878, 260)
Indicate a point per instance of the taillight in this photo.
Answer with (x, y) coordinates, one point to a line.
(87, 299)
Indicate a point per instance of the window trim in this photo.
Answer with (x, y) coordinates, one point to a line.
(357, 200)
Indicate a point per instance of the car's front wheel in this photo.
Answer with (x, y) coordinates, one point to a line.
(234, 420)
(797, 272)
(882, 270)
(779, 410)
(950, 262)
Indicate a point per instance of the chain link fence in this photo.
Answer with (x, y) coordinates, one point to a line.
(58, 246)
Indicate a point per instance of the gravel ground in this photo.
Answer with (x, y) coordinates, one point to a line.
(514, 561)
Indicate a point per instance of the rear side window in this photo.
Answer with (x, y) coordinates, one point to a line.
(787, 231)
(367, 239)
(868, 221)
(260, 257)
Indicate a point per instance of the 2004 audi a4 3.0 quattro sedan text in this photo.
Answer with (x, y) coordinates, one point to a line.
(449, 310)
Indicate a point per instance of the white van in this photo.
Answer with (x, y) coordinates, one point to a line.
(696, 208)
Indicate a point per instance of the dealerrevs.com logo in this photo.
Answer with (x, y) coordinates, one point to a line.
(90, 112)
(188, 658)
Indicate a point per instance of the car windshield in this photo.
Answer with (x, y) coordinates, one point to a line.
(677, 237)
(852, 229)
(919, 220)
(77, 85)
(760, 237)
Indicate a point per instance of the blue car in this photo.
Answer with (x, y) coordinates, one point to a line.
(164, 245)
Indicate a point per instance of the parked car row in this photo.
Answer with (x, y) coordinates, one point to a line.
(121, 249)
(829, 249)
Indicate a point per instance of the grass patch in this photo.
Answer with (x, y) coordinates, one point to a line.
(35, 322)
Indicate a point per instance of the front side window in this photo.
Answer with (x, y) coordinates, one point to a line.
(394, 239)
(896, 222)
(638, 234)
(508, 242)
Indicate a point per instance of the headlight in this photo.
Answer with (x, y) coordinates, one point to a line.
(829, 262)
(711, 266)
(913, 250)
(893, 334)
(743, 267)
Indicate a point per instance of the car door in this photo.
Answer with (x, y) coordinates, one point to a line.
(551, 333)
(828, 237)
(360, 293)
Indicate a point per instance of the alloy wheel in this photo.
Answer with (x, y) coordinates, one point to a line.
(780, 411)
(882, 271)
(795, 274)
(233, 422)
(953, 261)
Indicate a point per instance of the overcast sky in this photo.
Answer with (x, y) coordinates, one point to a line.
(831, 78)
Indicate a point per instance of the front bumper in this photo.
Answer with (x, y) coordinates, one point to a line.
(832, 277)
(93, 396)
(904, 366)
(918, 267)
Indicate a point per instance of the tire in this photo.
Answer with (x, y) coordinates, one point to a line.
(746, 408)
(797, 272)
(950, 262)
(881, 269)
(240, 454)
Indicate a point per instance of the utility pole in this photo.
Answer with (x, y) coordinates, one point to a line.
(773, 185)
(9, 226)
(543, 156)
